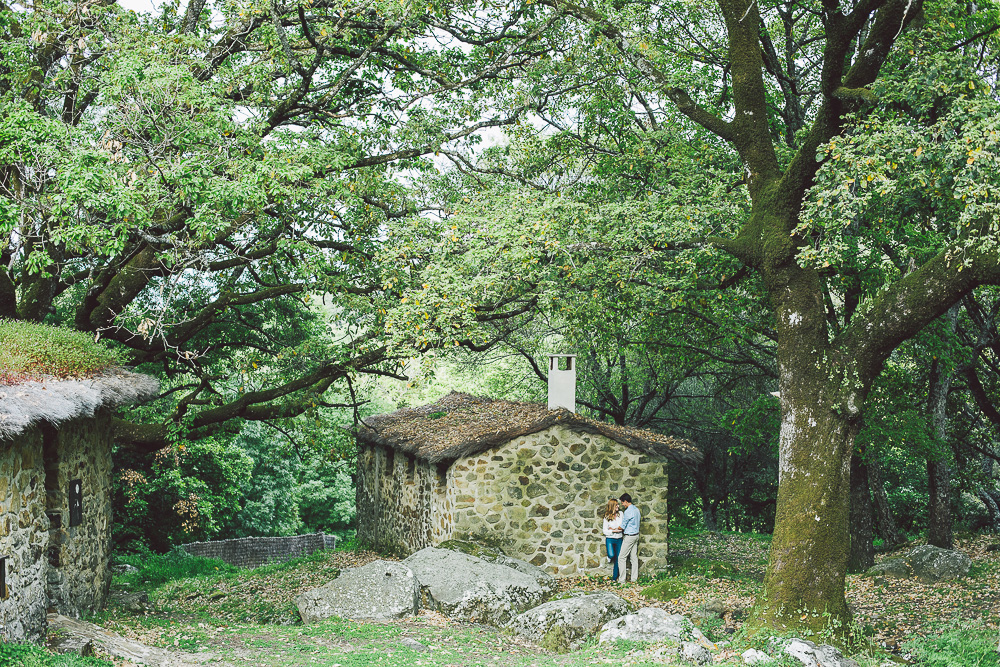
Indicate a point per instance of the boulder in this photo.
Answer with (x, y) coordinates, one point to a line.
(927, 563)
(752, 656)
(696, 654)
(811, 655)
(650, 624)
(579, 617)
(473, 589)
(380, 590)
(931, 564)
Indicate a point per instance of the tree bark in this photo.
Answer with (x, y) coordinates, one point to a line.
(885, 523)
(938, 474)
(862, 546)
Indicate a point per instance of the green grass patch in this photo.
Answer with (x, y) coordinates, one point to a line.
(155, 570)
(30, 655)
(31, 351)
(958, 643)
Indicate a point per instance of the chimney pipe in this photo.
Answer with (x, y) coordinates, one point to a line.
(562, 382)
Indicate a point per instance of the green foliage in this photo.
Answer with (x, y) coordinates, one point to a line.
(153, 570)
(30, 655)
(186, 494)
(31, 351)
(959, 643)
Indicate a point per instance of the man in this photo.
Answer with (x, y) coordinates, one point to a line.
(630, 533)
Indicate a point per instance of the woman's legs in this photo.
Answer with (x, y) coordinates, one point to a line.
(614, 548)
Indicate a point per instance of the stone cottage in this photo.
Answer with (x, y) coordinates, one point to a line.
(528, 479)
(55, 496)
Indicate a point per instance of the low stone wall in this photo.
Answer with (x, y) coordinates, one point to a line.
(257, 551)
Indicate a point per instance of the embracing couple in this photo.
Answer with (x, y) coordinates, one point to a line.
(621, 530)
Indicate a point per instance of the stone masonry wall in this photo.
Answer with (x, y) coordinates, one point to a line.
(257, 551)
(397, 498)
(23, 537)
(541, 497)
(79, 576)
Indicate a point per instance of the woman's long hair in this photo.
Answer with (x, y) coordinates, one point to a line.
(611, 511)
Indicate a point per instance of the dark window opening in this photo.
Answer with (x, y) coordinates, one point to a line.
(4, 593)
(442, 476)
(75, 502)
(54, 556)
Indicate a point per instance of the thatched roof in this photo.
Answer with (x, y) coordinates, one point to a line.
(460, 425)
(54, 400)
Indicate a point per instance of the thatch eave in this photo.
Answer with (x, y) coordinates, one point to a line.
(55, 400)
(460, 425)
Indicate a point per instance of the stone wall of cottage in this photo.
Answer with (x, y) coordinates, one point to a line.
(79, 576)
(540, 498)
(23, 537)
(398, 500)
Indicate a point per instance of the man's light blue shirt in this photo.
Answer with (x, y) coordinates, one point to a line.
(630, 520)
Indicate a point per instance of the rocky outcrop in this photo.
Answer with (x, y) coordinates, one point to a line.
(473, 589)
(380, 590)
(927, 563)
(654, 625)
(577, 618)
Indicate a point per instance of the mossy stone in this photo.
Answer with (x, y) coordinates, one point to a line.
(665, 590)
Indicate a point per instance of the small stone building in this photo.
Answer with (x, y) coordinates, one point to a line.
(55, 496)
(519, 476)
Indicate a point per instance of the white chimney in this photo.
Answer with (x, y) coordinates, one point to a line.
(562, 382)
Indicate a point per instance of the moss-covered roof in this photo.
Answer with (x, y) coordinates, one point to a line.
(53, 400)
(460, 425)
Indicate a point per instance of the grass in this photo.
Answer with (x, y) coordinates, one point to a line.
(29, 655)
(247, 616)
(33, 351)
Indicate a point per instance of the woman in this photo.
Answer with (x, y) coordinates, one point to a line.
(613, 533)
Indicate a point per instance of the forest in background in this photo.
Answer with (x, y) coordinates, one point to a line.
(770, 228)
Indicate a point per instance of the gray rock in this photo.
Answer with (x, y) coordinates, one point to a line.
(695, 653)
(470, 588)
(811, 655)
(413, 644)
(894, 568)
(650, 624)
(931, 564)
(752, 656)
(380, 590)
(579, 617)
(927, 563)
